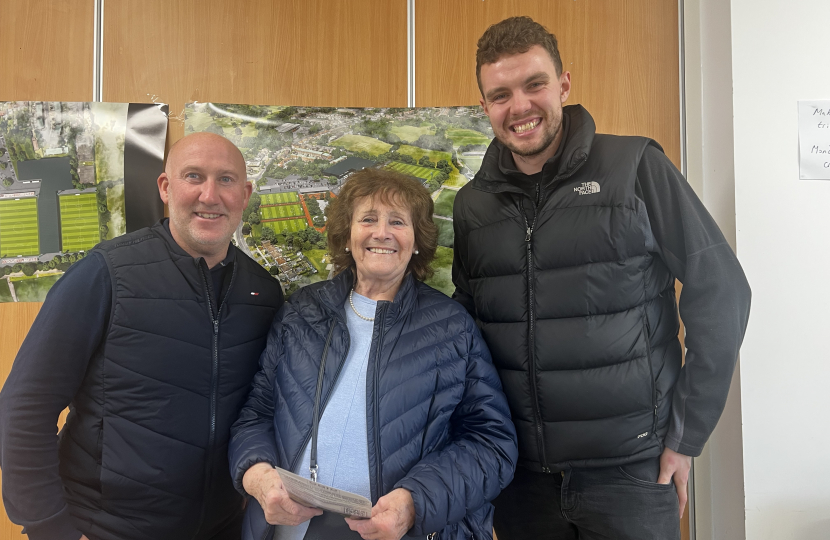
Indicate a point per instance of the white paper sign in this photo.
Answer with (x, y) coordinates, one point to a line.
(316, 495)
(814, 140)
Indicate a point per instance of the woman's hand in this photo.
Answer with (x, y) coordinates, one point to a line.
(392, 516)
(264, 483)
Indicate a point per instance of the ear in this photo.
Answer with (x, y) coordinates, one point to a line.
(249, 188)
(484, 106)
(164, 184)
(564, 86)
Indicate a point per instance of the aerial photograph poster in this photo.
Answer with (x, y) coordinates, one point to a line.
(63, 187)
(298, 158)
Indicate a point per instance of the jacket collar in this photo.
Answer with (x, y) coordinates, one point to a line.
(498, 166)
(334, 292)
(162, 229)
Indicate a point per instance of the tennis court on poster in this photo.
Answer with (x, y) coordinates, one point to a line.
(282, 211)
(286, 225)
(279, 198)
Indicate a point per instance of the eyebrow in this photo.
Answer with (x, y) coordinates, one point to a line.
(197, 168)
(540, 75)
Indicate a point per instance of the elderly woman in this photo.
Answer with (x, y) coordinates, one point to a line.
(412, 415)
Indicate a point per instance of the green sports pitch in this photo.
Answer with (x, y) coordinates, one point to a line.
(79, 222)
(286, 225)
(279, 198)
(283, 211)
(424, 173)
(18, 227)
(362, 143)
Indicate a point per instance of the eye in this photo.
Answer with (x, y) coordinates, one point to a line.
(499, 97)
(226, 179)
(191, 175)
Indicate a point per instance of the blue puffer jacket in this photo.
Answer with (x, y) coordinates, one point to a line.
(438, 423)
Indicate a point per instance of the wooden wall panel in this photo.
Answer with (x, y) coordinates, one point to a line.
(46, 53)
(623, 58)
(298, 52)
(46, 50)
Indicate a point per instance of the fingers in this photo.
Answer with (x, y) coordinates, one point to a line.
(681, 496)
(281, 510)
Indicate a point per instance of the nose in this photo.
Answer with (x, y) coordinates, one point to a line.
(381, 230)
(520, 104)
(209, 193)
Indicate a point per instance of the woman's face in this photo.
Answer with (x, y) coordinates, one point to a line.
(382, 242)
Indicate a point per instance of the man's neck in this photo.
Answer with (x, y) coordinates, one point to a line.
(533, 164)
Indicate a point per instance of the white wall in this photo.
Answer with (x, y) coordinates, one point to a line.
(780, 56)
(718, 472)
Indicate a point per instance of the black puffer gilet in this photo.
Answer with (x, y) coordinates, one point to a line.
(144, 451)
(579, 315)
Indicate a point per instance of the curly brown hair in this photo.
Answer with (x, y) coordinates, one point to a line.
(394, 189)
(515, 35)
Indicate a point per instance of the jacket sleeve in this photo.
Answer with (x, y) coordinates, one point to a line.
(480, 458)
(460, 278)
(714, 302)
(47, 373)
(253, 439)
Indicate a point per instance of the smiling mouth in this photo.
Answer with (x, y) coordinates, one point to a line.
(521, 128)
(381, 251)
(205, 215)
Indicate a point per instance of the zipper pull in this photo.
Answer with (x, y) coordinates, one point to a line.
(216, 326)
(527, 236)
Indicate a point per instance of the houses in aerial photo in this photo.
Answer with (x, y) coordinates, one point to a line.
(299, 157)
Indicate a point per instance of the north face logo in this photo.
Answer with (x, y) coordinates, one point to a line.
(587, 188)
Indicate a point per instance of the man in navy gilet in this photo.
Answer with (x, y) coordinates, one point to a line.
(151, 340)
(567, 247)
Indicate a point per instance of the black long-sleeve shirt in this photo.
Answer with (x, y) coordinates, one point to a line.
(714, 303)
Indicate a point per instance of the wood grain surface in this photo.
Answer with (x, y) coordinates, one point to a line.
(623, 58)
(46, 50)
(261, 52)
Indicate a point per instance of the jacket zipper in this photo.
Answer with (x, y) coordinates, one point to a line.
(537, 415)
(378, 470)
(651, 373)
(214, 373)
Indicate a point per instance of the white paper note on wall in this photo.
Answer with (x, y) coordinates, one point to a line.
(814, 140)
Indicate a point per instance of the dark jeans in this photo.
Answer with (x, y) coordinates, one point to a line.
(609, 503)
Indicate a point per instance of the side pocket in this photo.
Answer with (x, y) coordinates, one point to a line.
(647, 330)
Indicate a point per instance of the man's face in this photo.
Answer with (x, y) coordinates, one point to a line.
(523, 98)
(206, 189)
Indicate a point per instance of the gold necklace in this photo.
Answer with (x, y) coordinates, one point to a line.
(356, 312)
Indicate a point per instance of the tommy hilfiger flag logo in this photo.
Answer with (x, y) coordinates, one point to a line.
(587, 188)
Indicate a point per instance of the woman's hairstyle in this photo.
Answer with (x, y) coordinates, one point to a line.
(393, 189)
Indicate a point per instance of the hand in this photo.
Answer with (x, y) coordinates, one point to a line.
(83, 537)
(264, 483)
(392, 516)
(677, 465)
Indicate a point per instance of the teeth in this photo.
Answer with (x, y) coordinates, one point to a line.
(380, 250)
(207, 216)
(526, 127)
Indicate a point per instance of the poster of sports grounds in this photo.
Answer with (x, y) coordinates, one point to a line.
(299, 157)
(72, 175)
